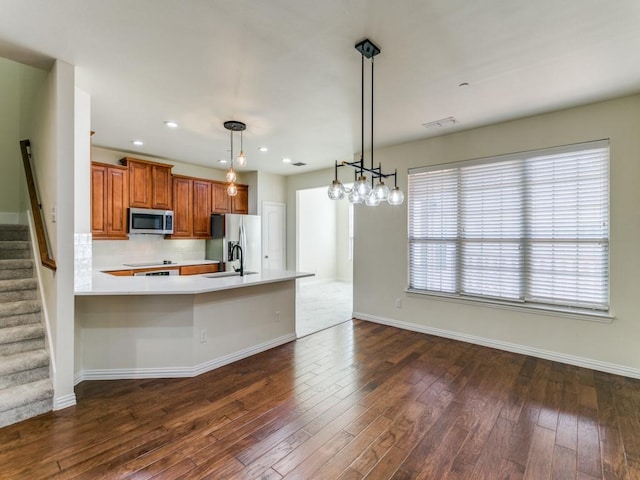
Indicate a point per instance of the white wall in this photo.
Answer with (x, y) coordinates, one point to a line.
(380, 269)
(51, 130)
(317, 222)
(11, 179)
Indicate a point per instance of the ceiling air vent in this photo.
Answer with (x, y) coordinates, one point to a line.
(443, 122)
(298, 164)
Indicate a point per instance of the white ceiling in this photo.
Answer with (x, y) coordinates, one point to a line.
(289, 70)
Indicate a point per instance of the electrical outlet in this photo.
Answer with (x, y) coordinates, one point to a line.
(203, 336)
(54, 215)
(277, 315)
(398, 303)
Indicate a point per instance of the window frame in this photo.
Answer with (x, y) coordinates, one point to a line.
(601, 313)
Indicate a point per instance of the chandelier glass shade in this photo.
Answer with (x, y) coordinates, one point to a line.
(363, 190)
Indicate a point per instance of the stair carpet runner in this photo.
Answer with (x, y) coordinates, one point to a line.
(26, 389)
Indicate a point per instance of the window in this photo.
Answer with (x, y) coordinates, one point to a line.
(531, 228)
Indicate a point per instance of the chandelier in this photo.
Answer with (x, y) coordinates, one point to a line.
(362, 190)
(234, 126)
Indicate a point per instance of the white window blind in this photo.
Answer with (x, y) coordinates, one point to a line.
(531, 227)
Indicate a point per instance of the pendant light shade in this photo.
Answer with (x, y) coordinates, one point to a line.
(336, 190)
(362, 186)
(363, 190)
(232, 189)
(396, 197)
(242, 160)
(231, 175)
(381, 191)
(372, 200)
(354, 197)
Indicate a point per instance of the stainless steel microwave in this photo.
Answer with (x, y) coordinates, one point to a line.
(146, 220)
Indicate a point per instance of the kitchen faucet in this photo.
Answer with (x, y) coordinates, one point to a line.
(231, 254)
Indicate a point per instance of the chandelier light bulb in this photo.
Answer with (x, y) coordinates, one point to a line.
(336, 190)
(381, 191)
(232, 190)
(396, 197)
(241, 160)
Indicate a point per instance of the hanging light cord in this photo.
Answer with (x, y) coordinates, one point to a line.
(372, 117)
(361, 114)
(231, 133)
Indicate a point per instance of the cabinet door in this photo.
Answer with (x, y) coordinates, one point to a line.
(201, 208)
(109, 200)
(140, 184)
(117, 201)
(182, 207)
(221, 203)
(98, 201)
(240, 203)
(161, 187)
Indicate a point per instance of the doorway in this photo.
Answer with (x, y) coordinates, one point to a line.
(324, 242)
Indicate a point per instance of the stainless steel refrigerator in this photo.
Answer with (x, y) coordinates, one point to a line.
(228, 230)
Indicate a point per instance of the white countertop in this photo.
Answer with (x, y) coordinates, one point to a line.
(106, 284)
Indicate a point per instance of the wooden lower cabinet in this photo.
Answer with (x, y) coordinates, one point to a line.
(199, 269)
(109, 201)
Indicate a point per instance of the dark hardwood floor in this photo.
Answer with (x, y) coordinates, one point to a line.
(355, 401)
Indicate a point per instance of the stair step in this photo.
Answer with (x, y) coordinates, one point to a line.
(18, 284)
(15, 249)
(25, 401)
(21, 307)
(24, 367)
(16, 268)
(14, 232)
(22, 319)
(21, 339)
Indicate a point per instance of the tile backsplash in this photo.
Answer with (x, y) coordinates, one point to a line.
(145, 248)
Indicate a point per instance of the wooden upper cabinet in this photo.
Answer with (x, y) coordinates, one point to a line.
(109, 201)
(240, 203)
(150, 184)
(221, 202)
(182, 207)
(201, 208)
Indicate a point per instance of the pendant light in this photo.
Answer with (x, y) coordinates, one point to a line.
(364, 190)
(234, 126)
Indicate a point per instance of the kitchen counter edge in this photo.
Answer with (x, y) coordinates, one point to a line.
(105, 284)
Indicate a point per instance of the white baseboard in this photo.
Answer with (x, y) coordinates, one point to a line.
(509, 347)
(180, 372)
(65, 401)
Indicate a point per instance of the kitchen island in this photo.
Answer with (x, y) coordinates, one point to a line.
(179, 326)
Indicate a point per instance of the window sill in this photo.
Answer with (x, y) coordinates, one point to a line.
(536, 309)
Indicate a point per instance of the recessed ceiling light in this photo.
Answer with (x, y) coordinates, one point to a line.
(137, 143)
(263, 149)
(171, 124)
(286, 160)
(222, 160)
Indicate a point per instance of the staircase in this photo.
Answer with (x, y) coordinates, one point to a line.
(25, 387)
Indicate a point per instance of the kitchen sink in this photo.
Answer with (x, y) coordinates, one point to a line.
(227, 274)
